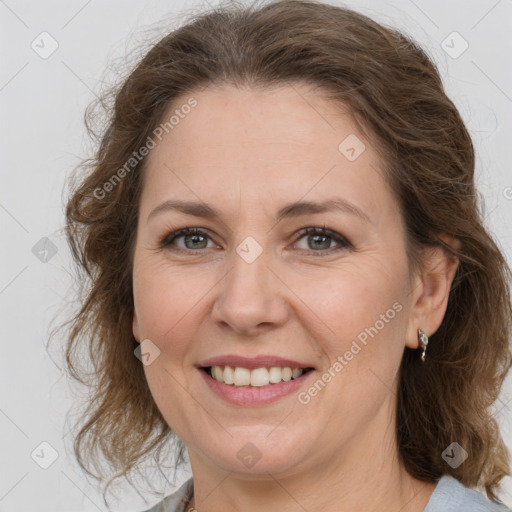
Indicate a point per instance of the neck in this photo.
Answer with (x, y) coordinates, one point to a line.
(365, 475)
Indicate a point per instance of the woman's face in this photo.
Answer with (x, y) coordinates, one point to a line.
(251, 290)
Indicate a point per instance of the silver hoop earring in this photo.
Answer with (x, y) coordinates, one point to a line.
(424, 342)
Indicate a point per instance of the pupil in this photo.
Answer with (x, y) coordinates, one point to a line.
(316, 237)
(194, 239)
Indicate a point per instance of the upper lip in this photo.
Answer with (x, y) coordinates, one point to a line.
(262, 361)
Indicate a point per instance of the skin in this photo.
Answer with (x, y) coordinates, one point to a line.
(249, 152)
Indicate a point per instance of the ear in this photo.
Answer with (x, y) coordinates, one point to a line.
(135, 326)
(431, 289)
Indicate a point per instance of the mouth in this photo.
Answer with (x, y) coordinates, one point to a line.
(239, 376)
(256, 381)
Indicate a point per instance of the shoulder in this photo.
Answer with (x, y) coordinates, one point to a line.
(176, 502)
(449, 496)
(452, 496)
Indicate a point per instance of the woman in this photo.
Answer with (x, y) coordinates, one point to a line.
(281, 222)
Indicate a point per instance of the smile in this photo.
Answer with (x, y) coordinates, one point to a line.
(257, 377)
(256, 381)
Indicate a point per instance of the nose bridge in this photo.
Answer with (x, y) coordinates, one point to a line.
(250, 293)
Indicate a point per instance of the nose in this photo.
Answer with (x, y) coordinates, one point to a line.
(252, 298)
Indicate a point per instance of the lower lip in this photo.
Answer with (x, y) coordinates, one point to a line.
(253, 396)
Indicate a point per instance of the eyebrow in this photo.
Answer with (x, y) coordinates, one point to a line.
(296, 209)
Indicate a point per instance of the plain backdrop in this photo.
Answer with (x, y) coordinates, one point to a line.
(42, 100)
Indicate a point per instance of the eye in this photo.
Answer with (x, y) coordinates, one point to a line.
(321, 239)
(318, 240)
(193, 238)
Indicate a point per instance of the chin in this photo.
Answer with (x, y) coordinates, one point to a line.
(253, 453)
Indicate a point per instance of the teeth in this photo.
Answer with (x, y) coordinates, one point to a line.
(228, 374)
(275, 374)
(286, 374)
(242, 376)
(296, 372)
(217, 373)
(258, 377)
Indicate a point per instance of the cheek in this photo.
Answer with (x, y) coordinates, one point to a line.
(364, 342)
(169, 301)
(360, 301)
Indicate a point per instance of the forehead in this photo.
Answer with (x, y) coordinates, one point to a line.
(268, 145)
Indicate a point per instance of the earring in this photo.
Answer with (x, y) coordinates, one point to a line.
(424, 342)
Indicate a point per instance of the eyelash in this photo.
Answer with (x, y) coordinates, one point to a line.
(167, 241)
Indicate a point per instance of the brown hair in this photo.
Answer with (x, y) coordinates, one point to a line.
(394, 92)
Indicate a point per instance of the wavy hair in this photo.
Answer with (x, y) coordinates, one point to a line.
(395, 95)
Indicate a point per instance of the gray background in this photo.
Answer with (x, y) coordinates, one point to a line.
(42, 101)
